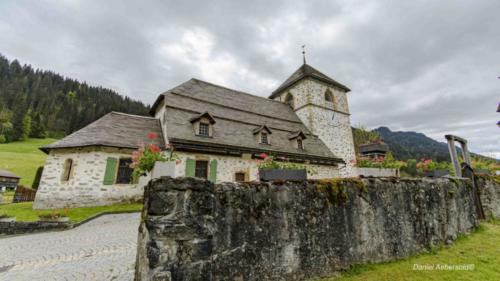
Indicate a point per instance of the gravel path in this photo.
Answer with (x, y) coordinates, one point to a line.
(102, 249)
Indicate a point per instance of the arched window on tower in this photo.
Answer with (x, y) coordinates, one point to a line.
(289, 100)
(330, 99)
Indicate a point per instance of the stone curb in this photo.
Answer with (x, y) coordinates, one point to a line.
(102, 214)
(39, 227)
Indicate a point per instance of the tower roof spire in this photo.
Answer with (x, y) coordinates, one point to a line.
(305, 71)
(304, 53)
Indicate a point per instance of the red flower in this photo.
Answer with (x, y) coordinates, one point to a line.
(263, 156)
(152, 136)
(154, 148)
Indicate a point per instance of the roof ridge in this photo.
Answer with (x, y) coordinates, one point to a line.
(238, 91)
(130, 115)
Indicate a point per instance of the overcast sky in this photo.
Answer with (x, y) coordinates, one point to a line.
(426, 66)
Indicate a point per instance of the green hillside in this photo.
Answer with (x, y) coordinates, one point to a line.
(39, 103)
(23, 158)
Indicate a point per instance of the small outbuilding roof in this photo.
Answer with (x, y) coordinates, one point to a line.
(114, 129)
(373, 147)
(7, 174)
(303, 72)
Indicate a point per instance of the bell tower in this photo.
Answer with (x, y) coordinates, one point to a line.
(321, 104)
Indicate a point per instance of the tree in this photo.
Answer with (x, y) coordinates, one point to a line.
(59, 105)
(26, 130)
(38, 129)
(18, 122)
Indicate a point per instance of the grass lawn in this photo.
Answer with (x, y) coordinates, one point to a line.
(482, 249)
(24, 211)
(23, 158)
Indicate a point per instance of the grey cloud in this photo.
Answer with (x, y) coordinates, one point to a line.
(429, 66)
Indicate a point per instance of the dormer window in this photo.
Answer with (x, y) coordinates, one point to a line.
(298, 138)
(203, 125)
(300, 145)
(204, 129)
(263, 138)
(263, 134)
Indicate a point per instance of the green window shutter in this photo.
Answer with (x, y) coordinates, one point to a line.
(213, 171)
(109, 176)
(190, 167)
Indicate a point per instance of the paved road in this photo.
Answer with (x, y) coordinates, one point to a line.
(102, 249)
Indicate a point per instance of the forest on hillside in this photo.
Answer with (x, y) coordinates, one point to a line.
(39, 103)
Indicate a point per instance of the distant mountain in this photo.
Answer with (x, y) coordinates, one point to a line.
(413, 145)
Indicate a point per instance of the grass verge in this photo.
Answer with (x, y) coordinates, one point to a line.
(24, 211)
(482, 249)
(23, 158)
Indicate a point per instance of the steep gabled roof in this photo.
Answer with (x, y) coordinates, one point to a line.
(305, 71)
(114, 129)
(237, 115)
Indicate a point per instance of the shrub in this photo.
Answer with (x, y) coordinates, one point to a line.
(411, 167)
(380, 162)
(427, 165)
(269, 163)
(144, 158)
(38, 176)
(486, 164)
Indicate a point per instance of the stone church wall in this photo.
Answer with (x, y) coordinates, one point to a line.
(85, 187)
(227, 166)
(316, 113)
(195, 230)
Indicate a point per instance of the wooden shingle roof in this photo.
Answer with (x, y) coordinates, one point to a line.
(7, 174)
(305, 71)
(114, 129)
(237, 116)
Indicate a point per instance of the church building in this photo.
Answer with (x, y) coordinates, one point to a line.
(217, 133)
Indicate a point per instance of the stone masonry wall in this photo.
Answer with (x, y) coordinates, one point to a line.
(85, 187)
(194, 230)
(490, 195)
(316, 113)
(227, 166)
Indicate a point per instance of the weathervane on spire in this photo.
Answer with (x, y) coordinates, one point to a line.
(304, 53)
